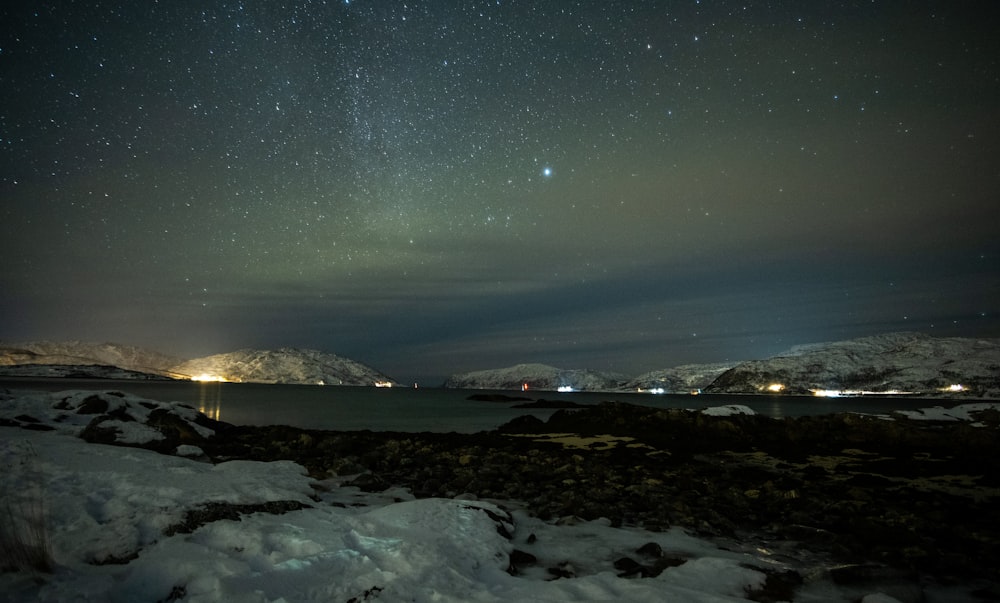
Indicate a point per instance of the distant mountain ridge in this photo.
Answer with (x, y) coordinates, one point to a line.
(98, 360)
(905, 363)
(895, 362)
(537, 376)
(680, 379)
(912, 363)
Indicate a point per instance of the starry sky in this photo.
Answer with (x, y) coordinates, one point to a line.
(443, 186)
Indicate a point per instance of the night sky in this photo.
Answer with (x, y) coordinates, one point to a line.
(436, 187)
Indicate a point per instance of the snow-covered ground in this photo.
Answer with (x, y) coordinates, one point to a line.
(115, 518)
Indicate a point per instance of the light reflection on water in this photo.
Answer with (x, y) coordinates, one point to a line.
(210, 399)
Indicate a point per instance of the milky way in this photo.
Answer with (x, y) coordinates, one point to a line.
(432, 187)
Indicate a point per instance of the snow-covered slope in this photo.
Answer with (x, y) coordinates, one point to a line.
(127, 357)
(285, 365)
(77, 371)
(679, 379)
(537, 376)
(902, 362)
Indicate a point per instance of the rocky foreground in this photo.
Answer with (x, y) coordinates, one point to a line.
(907, 498)
(878, 503)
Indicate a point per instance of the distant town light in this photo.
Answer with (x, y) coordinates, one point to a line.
(954, 388)
(775, 388)
(565, 388)
(209, 378)
(383, 384)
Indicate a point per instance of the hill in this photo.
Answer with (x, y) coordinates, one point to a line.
(284, 365)
(537, 376)
(892, 363)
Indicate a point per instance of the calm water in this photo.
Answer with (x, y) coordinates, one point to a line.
(425, 409)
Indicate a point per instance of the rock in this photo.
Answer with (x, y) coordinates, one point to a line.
(563, 570)
(519, 558)
(651, 549)
(215, 511)
(92, 405)
(629, 567)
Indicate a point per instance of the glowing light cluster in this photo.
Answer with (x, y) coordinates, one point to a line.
(836, 393)
(775, 388)
(383, 384)
(565, 388)
(209, 378)
(652, 390)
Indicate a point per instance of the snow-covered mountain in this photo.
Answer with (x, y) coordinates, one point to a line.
(284, 365)
(899, 362)
(77, 371)
(128, 357)
(537, 376)
(679, 379)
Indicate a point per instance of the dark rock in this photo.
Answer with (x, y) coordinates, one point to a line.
(175, 429)
(97, 433)
(92, 405)
(519, 558)
(110, 559)
(779, 586)
(629, 567)
(502, 521)
(369, 595)
(651, 549)
(216, 511)
(522, 424)
(563, 570)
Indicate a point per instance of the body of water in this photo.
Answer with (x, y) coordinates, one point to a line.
(346, 408)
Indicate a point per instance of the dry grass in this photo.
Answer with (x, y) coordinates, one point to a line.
(24, 530)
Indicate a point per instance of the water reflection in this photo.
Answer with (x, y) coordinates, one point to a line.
(776, 410)
(210, 399)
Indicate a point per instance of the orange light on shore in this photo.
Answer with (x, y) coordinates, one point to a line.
(205, 377)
